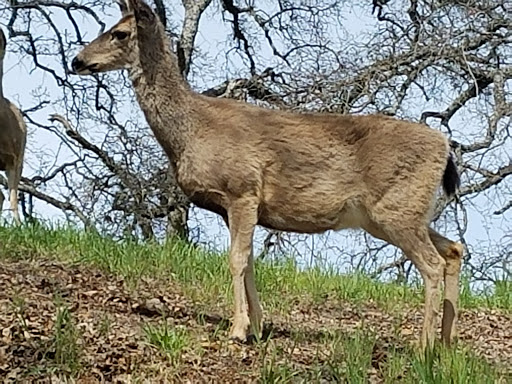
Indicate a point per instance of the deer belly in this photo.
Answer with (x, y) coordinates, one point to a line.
(320, 217)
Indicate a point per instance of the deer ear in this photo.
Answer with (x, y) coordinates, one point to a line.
(125, 7)
(143, 12)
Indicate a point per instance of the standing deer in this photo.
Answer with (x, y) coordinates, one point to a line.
(13, 136)
(305, 173)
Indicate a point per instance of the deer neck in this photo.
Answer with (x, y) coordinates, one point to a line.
(166, 100)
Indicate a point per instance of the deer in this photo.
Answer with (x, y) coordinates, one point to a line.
(289, 171)
(13, 137)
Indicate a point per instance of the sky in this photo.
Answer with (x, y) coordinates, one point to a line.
(21, 83)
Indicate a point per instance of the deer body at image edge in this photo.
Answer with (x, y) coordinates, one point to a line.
(304, 173)
(13, 136)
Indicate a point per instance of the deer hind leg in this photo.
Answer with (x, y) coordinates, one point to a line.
(2, 198)
(418, 247)
(13, 179)
(242, 216)
(452, 253)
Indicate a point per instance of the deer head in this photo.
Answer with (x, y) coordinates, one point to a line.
(113, 50)
(120, 46)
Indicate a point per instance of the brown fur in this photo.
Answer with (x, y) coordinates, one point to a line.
(13, 135)
(293, 172)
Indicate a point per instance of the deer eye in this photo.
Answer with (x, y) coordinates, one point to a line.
(119, 35)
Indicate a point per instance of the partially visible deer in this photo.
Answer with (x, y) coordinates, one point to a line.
(13, 136)
(305, 173)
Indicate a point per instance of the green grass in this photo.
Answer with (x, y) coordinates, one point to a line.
(348, 358)
(105, 325)
(65, 349)
(196, 268)
(171, 341)
(60, 355)
(341, 357)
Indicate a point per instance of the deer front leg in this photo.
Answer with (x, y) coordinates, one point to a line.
(242, 216)
(14, 206)
(13, 179)
(255, 311)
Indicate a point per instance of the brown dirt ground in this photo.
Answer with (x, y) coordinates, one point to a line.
(109, 316)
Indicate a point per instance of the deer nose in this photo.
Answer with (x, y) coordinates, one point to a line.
(76, 64)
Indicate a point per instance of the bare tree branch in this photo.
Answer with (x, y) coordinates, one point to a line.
(193, 11)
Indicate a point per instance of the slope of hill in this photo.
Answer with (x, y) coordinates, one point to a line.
(75, 307)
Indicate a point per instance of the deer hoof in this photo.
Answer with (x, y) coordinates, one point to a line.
(240, 329)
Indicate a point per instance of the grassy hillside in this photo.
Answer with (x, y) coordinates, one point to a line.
(80, 306)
